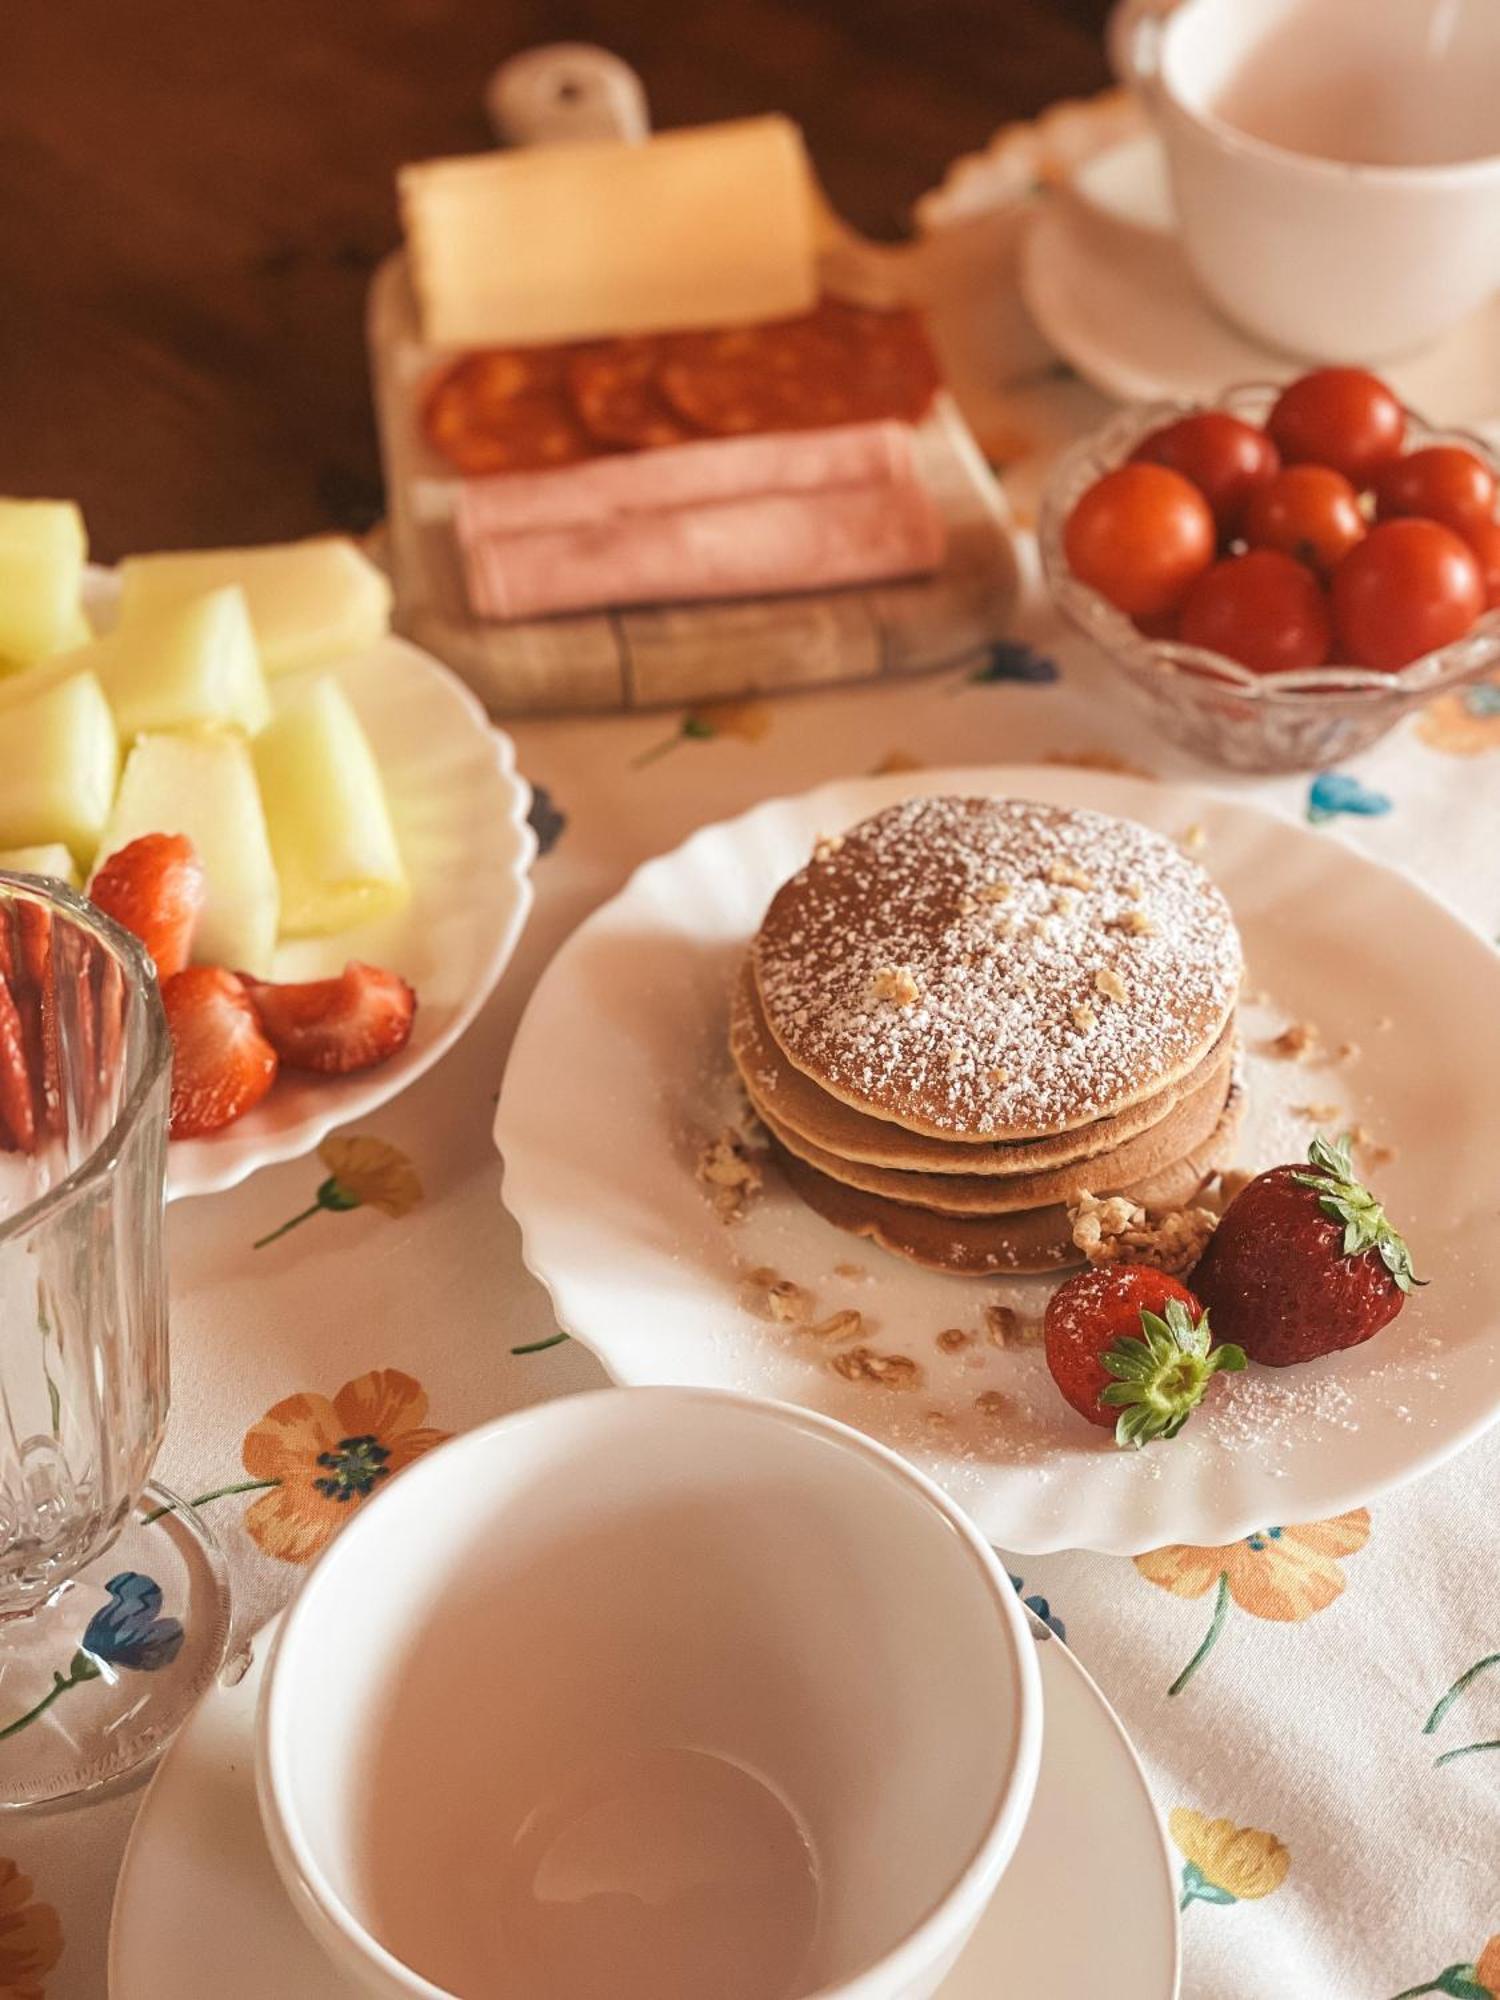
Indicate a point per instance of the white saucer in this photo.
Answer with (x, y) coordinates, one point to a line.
(1088, 1905)
(1105, 279)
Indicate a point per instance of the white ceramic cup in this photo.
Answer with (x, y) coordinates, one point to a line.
(1335, 164)
(656, 1693)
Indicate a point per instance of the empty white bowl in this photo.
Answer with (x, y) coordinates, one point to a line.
(658, 1693)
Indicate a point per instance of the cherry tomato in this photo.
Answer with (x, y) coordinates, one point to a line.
(1343, 417)
(1406, 589)
(1484, 540)
(1262, 609)
(1226, 460)
(1443, 483)
(1308, 511)
(1139, 536)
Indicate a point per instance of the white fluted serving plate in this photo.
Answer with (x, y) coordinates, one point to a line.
(618, 1072)
(459, 807)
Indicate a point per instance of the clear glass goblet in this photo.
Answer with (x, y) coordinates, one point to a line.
(113, 1605)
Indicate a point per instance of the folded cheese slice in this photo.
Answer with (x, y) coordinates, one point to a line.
(710, 226)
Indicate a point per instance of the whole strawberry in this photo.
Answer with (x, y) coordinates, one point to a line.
(1128, 1347)
(1304, 1262)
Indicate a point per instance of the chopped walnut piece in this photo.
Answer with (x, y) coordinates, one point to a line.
(999, 1076)
(953, 1339)
(1119, 1231)
(851, 1271)
(1134, 922)
(1318, 1114)
(967, 906)
(895, 983)
(994, 892)
(1369, 1147)
(771, 1296)
(1071, 877)
(1296, 1043)
(991, 1403)
(845, 1325)
(891, 1371)
(729, 1173)
(1346, 1052)
(1193, 837)
(955, 1056)
(826, 846)
(1002, 927)
(1110, 984)
(1001, 1324)
(1063, 902)
(937, 1420)
(1084, 1018)
(1132, 890)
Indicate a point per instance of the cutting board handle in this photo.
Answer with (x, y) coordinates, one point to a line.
(566, 93)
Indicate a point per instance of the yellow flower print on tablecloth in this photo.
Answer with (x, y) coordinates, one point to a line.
(1225, 1863)
(1477, 1981)
(747, 721)
(362, 1173)
(1465, 723)
(319, 1458)
(1284, 1574)
(31, 1939)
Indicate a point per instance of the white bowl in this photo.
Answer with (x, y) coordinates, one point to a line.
(652, 1692)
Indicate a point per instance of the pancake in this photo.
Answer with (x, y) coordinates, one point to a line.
(794, 1102)
(1186, 1127)
(996, 969)
(1033, 1242)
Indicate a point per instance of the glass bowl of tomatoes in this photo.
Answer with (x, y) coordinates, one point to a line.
(1282, 575)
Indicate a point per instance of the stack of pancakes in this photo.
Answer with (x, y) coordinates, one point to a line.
(965, 1013)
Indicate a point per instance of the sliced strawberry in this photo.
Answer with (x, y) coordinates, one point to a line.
(154, 887)
(336, 1025)
(222, 1065)
(17, 1111)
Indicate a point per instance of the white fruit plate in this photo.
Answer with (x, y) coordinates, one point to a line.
(460, 812)
(618, 1073)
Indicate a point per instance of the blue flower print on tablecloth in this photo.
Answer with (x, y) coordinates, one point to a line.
(1335, 792)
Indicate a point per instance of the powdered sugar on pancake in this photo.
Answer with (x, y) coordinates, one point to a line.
(996, 968)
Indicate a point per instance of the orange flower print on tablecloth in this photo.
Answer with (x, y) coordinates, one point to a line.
(1477, 1981)
(320, 1458)
(362, 1173)
(31, 1939)
(1225, 1863)
(1465, 723)
(747, 721)
(1284, 1574)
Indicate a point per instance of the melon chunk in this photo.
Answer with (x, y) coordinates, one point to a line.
(43, 547)
(336, 854)
(53, 859)
(182, 666)
(59, 759)
(203, 785)
(309, 601)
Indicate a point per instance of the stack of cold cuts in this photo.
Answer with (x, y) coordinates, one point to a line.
(964, 1014)
(735, 462)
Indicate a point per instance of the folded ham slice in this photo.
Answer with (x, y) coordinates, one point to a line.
(771, 543)
(738, 517)
(686, 475)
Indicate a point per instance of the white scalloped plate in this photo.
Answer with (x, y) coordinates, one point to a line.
(617, 1071)
(460, 812)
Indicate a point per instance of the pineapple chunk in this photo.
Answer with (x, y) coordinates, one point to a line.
(309, 601)
(43, 547)
(59, 759)
(336, 854)
(203, 785)
(54, 860)
(181, 666)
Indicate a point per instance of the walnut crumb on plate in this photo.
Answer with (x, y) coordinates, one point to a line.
(1298, 1042)
(846, 1324)
(1118, 1231)
(953, 1339)
(991, 1403)
(729, 1174)
(891, 1371)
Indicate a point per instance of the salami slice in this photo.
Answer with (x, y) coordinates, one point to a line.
(837, 365)
(505, 410)
(617, 396)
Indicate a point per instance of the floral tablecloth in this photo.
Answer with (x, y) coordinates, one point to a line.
(1318, 1706)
